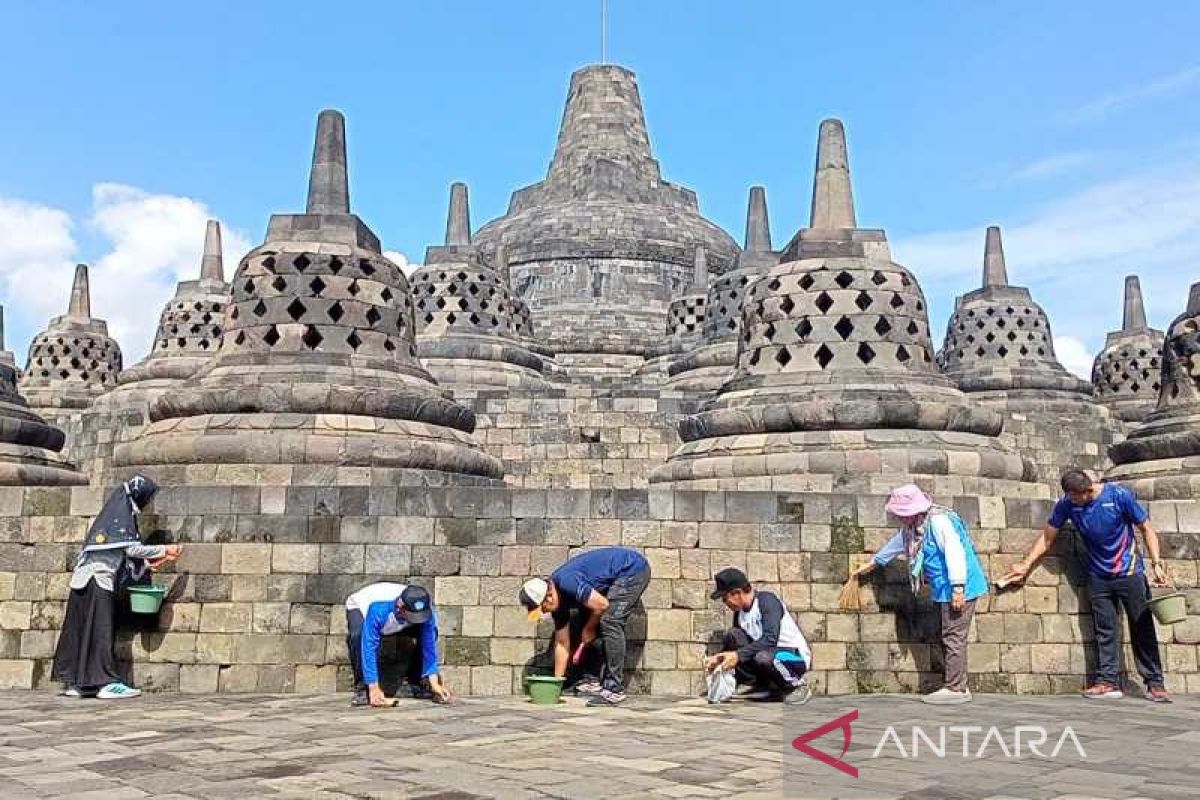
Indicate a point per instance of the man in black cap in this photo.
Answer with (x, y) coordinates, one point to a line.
(382, 609)
(765, 647)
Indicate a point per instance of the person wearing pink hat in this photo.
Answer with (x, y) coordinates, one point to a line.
(938, 547)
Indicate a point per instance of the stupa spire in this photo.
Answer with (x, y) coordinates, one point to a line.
(81, 295)
(328, 184)
(758, 226)
(833, 199)
(995, 271)
(212, 265)
(1134, 317)
(458, 221)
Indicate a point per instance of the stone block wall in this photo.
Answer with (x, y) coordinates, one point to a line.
(255, 603)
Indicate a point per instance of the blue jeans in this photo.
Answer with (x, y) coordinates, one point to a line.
(1133, 593)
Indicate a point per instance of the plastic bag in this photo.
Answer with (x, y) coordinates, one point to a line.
(721, 685)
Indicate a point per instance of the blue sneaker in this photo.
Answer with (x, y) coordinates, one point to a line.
(118, 691)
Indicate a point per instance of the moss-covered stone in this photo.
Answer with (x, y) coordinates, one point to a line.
(847, 536)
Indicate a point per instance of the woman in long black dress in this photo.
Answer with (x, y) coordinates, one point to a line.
(112, 554)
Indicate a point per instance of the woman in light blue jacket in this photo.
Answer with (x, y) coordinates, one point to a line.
(938, 547)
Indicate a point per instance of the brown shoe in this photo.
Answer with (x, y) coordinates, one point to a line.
(1157, 694)
(1103, 691)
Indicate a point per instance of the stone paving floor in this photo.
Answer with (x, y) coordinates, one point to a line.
(243, 746)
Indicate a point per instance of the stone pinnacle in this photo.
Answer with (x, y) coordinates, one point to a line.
(995, 272)
(81, 295)
(1193, 306)
(1, 329)
(502, 264)
(1135, 312)
(758, 226)
(700, 273)
(212, 266)
(328, 185)
(458, 222)
(832, 200)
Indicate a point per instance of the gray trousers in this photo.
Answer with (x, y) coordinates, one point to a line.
(955, 627)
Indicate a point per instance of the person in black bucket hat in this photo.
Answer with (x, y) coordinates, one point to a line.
(383, 609)
(765, 647)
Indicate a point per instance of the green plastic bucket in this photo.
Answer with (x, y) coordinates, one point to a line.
(1169, 608)
(544, 690)
(146, 599)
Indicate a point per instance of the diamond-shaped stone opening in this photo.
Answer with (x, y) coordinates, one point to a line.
(783, 357)
(317, 286)
(312, 337)
(451, 317)
(787, 305)
(248, 286)
(844, 327)
(1135, 386)
(979, 351)
(754, 357)
(428, 318)
(905, 281)
(843, 279)
(279, 284)
(769, 331)
(865, 353)
(882, 326)
(991, 337)
(239, 340)
(991, 312)
(1012, 337)
(386, 295)
(902, 354)
(353, 288)
(335, 311)
(301, 262)
(473, 289)
(897, 301)
(806, 282)
(373, 316)
(878, 278)
(260, 308)
(863, 301)
(463, 304)
(269, 262)
(1003, 351)
(774, 285)
(804, 328)
(824, 302)
(823, 356)
(474, 318)
(233, 314)
(387, 345)
(353, 340)
(366, 267)
(335, 265)
(296, 310)
(271, 337)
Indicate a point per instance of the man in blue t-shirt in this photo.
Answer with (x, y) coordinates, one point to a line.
(605, 584)
(1106, 516)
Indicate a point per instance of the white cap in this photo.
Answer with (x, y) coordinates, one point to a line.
(533, 592)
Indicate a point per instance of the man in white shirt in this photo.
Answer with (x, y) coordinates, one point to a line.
(765, 647)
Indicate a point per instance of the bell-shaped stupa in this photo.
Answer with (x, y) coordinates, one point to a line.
(601, 247)
(835, 386)
(468, 321)
(317, 364)
(1126, 374)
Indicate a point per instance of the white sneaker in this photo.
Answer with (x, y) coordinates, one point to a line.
(947, 697)
(71, 691)
(118, 691)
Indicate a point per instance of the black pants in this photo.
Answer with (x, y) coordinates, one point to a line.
(84, 657)
(354, 624)
(622, 596)
(1133, 593)
(764, 671)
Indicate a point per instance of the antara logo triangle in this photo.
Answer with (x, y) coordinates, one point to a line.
(843, 722)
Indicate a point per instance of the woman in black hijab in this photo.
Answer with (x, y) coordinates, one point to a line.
(112, 556)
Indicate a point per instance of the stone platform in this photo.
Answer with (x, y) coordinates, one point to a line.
(317, 748)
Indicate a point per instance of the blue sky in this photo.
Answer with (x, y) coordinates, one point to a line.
(1074, 125)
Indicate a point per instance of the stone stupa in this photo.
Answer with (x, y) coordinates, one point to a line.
(317, 364)
(685, 323)
(29, 447)
(1161, 458)
(73, 361)
(835, 386)
(1126, 374)
(469, 324)
(601, 247)
(710, 363)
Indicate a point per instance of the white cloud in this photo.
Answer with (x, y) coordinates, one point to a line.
(1073, 354)
(1050, 166)
(1074, 252)
(153, 241)
(401, 261)
(1158, 88)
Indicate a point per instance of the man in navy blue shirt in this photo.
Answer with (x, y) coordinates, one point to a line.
(1106, 516)
(605, 584)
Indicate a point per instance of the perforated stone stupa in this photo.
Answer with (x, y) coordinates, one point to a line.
(685, 323)
(468, 322)
(1161, 458)
(600, 247)
(1126, 373)
(317, 363)
(836, 384)
(29, 447)
(74, 360)
(711, 362)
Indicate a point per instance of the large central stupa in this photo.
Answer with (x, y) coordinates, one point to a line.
(600, 248)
